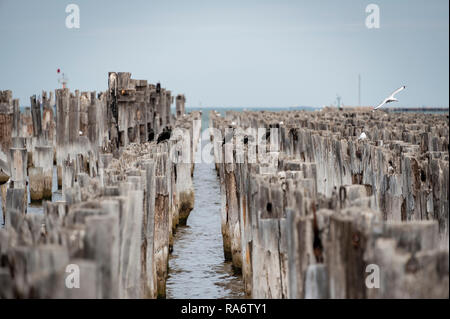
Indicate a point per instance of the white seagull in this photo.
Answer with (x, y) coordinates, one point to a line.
(362, 137)
(390, 98)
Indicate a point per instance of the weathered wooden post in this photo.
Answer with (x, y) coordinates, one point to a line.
(36, 116)
(349, 233)
(9, 114)
(232, 207)
(184, 187)
(162, 227)
(141, 111)
(130, 264)
(126, 98)
(73, 147)
(18, 166)
(16, 119)
(85, 102)
(162, 107)
(62, 130)
(169, 102)
(43, 166)
(6, 120)
(68, 175)
(36, 177)
(102, 245)
(48, 121)
(15, 202)
(404, 274)
(3, 192)
(180, 108)
(148, 225)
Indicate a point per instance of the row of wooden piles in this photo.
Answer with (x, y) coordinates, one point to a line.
(123, 196)
(81, 126)
(318, 213)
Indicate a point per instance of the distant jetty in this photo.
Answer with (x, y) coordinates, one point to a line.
(418, 109)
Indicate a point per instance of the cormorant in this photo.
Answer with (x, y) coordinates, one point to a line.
(248, 138)
(151, 135)
(165, 134)
(274, 125)
(317, 242)
(267, 135)
(294, 133)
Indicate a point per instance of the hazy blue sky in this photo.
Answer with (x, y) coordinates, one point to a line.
(233, 53)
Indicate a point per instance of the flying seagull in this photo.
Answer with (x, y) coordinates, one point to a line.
(390, 98)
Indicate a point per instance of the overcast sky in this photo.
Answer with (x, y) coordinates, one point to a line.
(233, 53)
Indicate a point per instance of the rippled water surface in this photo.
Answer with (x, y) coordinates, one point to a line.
(196, 267)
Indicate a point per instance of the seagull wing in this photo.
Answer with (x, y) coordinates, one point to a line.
(381, 104)
(398, 90)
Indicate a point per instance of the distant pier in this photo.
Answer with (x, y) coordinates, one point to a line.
(419, 109)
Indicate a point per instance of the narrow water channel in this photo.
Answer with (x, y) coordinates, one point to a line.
(197, 268)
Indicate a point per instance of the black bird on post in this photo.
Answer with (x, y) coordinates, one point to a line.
(294, 133)
(151, 135)
(317, 242)
(248, 138)
(165, 135)
(274, 125)
(266, 135)
(227, 139)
